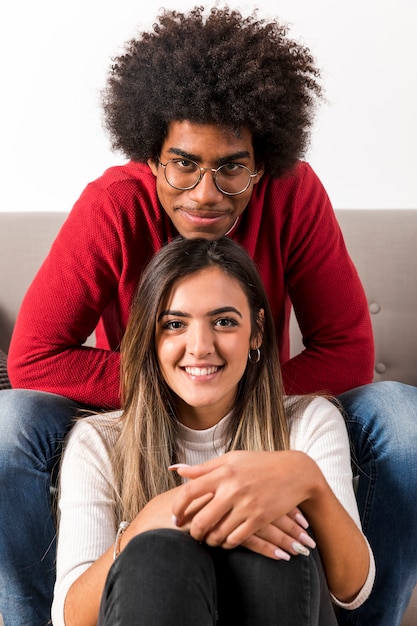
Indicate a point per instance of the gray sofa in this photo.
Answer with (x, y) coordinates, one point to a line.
(382, 244)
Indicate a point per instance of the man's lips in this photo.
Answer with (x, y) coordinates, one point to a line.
(199, 214)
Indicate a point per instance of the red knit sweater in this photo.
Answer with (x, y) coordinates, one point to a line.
(91, 273)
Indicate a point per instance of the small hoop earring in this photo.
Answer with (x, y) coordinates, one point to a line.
(257, 358)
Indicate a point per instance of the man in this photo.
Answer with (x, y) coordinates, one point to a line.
(214, 114)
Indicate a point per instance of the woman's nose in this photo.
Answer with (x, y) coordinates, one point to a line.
(200, 341)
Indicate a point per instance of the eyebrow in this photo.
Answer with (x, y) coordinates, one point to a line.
(242, 154)
(224, 309)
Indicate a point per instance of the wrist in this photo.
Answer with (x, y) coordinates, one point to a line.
(123, 526)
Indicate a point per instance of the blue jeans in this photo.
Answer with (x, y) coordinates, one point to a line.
(165, 577)
(32, 428)
(382, 421)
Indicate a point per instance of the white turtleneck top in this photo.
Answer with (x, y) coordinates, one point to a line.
(87, 521)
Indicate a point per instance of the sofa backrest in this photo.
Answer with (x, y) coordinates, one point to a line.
(25, 239)
(382, 244)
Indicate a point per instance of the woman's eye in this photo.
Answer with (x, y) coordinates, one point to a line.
(226, 322)
(173, 325)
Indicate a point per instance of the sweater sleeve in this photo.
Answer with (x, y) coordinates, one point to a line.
(64, 304)
(321, 433)
(327, 297)
(87, 526)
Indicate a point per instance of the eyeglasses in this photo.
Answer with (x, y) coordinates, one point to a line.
(230, 178)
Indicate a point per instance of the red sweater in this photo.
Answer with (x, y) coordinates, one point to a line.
(91, 273)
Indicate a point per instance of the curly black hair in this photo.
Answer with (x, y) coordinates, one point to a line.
(218, 68)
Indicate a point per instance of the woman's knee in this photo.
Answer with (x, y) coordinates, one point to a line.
(272, 592)
(163, 563)
(166, 548)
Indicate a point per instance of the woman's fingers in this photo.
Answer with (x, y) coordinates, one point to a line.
(298, 517)
(245, 492)
(264, 547)
(274, 543)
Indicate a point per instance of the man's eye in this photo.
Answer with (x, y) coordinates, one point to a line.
(232, 170)
(185, 164)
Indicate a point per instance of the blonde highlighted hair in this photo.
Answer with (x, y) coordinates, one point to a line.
(148, 440)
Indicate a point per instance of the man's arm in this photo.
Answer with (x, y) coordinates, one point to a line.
(326, 293)
(75, 285)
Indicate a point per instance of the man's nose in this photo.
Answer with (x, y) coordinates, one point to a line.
(206, 191)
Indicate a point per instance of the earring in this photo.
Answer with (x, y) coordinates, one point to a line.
(257, 357)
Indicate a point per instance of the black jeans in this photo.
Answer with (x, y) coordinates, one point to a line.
(166, 578)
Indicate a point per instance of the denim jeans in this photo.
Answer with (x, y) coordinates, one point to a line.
(165, 577)
(32, 428)
(382, 421)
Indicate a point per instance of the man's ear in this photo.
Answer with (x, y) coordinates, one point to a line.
(153, 164)
(260, 172)
(256, 341)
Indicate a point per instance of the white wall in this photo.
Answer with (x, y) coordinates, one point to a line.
(55, 57)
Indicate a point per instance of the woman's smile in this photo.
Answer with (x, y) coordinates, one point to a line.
(199, 372)
(203, 337)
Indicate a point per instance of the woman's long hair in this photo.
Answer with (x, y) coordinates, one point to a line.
(148, 441)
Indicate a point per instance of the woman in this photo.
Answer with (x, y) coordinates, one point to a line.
(191, 505)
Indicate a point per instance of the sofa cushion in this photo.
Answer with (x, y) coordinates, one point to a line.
(4, 379)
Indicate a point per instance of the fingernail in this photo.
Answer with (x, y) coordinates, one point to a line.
(300, 549)
(177, 466)
(280, 554)
(307, 540)
(300, 519)
(174, 520)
